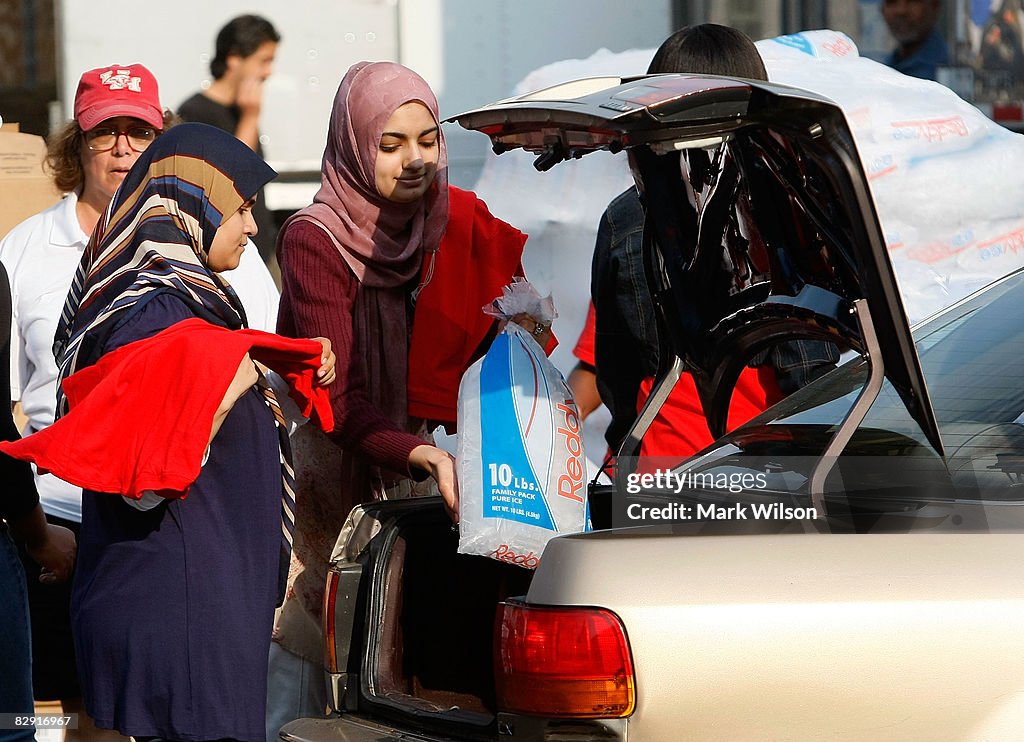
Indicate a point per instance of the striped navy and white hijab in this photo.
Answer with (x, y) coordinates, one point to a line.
(155, 236)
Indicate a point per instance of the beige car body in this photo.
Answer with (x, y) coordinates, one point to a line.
(808, 636)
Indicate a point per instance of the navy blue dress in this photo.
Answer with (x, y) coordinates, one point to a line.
(172, 608)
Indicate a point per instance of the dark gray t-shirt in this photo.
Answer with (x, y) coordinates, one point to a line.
(203, 110)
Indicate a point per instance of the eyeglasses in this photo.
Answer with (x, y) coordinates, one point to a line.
(103, 138)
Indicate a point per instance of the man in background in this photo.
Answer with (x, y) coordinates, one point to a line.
(243, 60)
(920, 49)
(1002, 41)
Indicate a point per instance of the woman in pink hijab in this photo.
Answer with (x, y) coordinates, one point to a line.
(351, 266)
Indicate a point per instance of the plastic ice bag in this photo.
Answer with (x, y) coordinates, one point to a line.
(520, 457)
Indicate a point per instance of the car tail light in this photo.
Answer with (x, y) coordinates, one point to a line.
(330, 647)
(562, 662)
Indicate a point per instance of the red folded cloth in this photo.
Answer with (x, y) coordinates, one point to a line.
(140, 418)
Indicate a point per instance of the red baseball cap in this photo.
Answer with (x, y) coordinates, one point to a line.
(118, 90)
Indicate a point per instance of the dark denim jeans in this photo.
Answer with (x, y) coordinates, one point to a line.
(15, 658)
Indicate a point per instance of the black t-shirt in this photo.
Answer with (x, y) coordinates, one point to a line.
(17, 491)
(203, 110)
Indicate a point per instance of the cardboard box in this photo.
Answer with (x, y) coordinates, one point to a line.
(24, 188)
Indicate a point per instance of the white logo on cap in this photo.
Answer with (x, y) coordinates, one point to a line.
(121, 80)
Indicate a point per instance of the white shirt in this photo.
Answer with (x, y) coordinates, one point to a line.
(256, 289)
(41, 256)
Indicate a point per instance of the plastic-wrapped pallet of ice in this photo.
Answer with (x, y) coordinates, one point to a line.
(945, 178)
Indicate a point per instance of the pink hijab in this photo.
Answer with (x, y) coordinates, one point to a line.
(382, 241)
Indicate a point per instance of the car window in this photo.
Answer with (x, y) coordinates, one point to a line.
(970, 355)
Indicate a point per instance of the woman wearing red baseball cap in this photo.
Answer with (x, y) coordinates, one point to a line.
(117, 116)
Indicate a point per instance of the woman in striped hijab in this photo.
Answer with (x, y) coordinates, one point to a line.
(173, 599)
(156, 236)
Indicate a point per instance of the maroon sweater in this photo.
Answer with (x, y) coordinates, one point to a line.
(318, 292)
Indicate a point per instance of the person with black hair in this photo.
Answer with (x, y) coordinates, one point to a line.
(243, 60)
(709, 49)
(626, 350)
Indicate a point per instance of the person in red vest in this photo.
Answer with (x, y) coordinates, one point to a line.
(680, 429)
(625, 345)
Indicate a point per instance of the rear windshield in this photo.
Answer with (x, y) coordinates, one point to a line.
(971, 356)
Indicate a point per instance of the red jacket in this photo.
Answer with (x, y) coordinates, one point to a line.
(479, 255)
(680, 429)
(140, 418)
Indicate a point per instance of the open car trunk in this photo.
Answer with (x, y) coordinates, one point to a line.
(423, 618)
